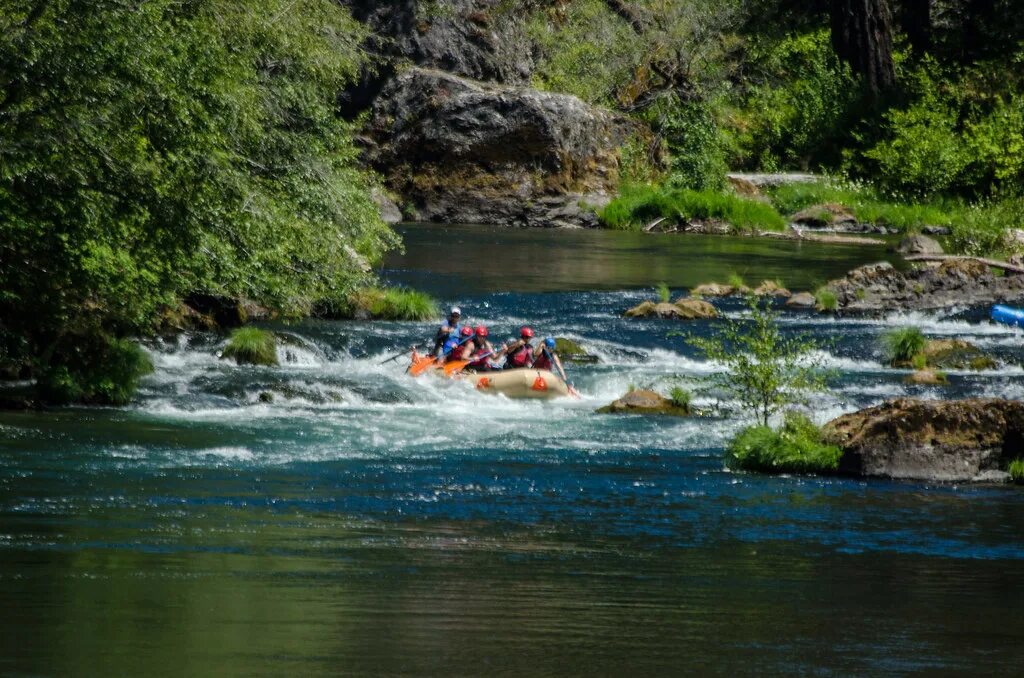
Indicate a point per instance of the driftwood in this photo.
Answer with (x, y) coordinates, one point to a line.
(826, 238)
(651, 226)
(992, 263)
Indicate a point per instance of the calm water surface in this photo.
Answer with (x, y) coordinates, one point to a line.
(365, 523)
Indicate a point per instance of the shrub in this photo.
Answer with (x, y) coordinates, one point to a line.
(903, 344)
(764, 370)
(1016, 470)
(796, 447)
(680, 397)
(694, 143)
(825, 300)
(735, 280)
(97, 370)
(664, 293)
(251, 346)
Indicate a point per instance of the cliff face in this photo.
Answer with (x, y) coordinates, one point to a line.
(458, 134)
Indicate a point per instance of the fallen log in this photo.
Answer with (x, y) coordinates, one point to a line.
(992, 263)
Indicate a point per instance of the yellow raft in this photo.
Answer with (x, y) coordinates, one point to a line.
(516, 383)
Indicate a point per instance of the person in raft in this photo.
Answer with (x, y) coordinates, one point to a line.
(458, 346)
(481, 353)
(448, 329)
(545, 358)
(520, 352)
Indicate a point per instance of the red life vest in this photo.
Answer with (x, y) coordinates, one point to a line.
(522, 357)
(542, 362)
(479, 357)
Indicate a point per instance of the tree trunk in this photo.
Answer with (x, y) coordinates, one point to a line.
(862, 37)
(916, 21)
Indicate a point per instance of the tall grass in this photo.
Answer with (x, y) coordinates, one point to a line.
(1016, 471)
(903, 345)
(251, 346)
(796, 447)
(664, 293)
(381, 303)
(826, 300)
(638, 206)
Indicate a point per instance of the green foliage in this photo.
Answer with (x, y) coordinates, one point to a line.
(159, 148)
(96, 370)
(826, 300)
(251, 346)
(664, 293)
(919, 361)
(1016, 471)
(799, 108)
(637, 206)
(694, 142)
(635, 163)
(764, 370)
(982, 229)
(903, 344)
(797, 447)
(381, 303)
(680, 397)
(735, 280)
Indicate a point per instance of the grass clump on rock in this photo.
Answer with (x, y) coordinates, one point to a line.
(381, 303)
(251, 346)
(902, 346)
(825, 300)
(796, 447)
(638, 206)
(1016, 471)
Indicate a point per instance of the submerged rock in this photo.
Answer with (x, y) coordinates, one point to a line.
(683, 309)
(802, 300)
(939, 440)
(880, 287)
(926, 377)
(572, 352)
(770, 288)
(712, 290)
(459, 150)
(957, 354)
(644, 402)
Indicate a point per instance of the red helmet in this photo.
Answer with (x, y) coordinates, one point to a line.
(467, 331)
(481, 331)
(526, 333)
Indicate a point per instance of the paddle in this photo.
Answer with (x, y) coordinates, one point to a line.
(561, 371)
(396, 357)
(420, 366)
(459, 365)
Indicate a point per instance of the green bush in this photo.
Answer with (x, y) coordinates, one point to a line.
(664, 293)
(638, 206)
(1016, 471)
(697, 157)
(97, 371)
(903, 344)
(380, 303)
(251, 346)
(826, 300)
(735, 280)
(797, 447)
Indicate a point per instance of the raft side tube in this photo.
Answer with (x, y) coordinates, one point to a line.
(1008, 315)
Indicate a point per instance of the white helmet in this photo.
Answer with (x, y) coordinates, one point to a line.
(455, 311)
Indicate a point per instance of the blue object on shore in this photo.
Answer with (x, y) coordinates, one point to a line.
(1008, 315)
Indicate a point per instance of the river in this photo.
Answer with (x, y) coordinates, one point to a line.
(334, 516)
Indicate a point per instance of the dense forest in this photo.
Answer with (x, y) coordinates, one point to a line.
(155, 151)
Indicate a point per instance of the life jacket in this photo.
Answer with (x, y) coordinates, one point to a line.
(480, 356)
(522, 357)
(543, 362)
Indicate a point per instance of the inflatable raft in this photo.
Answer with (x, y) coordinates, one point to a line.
(517, 383)
(1008, 315)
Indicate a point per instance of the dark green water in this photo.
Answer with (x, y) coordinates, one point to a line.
(364, 523)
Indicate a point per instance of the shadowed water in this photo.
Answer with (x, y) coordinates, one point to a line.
(367, 523)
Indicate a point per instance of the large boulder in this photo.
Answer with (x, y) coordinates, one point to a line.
(770, 288)
(956, 282)
(644, 402)
(957, 354)
(919, 244)
(464, 151)
(802, 300)
(939, 440)
(682, 309)
(712, 290)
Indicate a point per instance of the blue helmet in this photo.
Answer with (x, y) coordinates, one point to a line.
(550, 343)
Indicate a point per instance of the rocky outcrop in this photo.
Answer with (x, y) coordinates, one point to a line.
(829, 215)
(770, 288)
(644, 402)
(957, 354)
(926, 377)
(681, 309)
(458, 150)
(937, 440)
(570, 351)
(712, 290)
(955, 283)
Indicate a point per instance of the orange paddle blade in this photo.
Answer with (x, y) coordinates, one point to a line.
(454, 366)
(421, 365)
